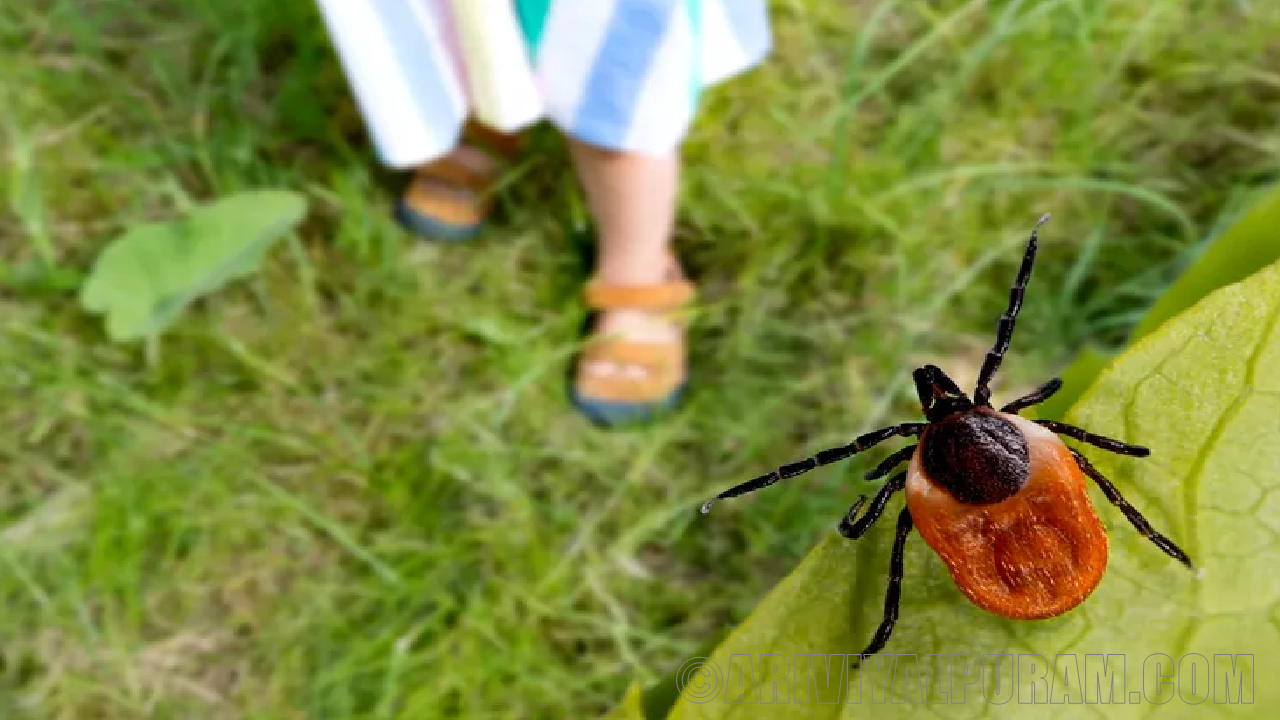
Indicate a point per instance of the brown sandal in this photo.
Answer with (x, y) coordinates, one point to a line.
(449, 199)
(619, 397)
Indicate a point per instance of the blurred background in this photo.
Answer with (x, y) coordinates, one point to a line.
(351, 486)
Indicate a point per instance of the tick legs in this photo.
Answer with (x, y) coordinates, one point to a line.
(854, 529)
(887, 465)
(824, 457)
(1135, 517)
(1004, 331)
(1105, 443)
(1044, 392)
(895, 588)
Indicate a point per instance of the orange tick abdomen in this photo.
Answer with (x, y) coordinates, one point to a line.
(1036, 554)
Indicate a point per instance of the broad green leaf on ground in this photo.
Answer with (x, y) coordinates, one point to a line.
(632, 707)
(144, 279)
(1251, 243)
(658, 698)
(1203, 392)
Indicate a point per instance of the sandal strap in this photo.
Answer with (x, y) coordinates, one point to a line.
(665, 296)
(653, 356)
(483, 137)
(500, 148)
(450, 171)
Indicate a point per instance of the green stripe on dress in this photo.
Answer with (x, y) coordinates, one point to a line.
(533, 19)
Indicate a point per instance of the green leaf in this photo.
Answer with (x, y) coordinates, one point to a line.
(1250, 244)
(632, 707)
(658, 699)
(1203, 392)
(144, 279)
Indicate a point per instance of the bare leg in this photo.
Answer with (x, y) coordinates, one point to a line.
(632, 198)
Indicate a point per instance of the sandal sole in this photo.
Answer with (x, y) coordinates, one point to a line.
(612, 413)
(429, 228)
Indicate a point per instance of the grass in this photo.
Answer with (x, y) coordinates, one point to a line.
(352, 488)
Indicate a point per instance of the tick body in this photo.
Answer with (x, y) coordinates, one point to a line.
(1000, 498)
(1033, 552)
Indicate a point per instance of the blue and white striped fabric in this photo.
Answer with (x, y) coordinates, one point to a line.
(619, 74)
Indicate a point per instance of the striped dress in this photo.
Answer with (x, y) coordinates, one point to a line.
(619, 74)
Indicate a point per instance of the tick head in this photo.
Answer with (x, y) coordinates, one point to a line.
(939, 394)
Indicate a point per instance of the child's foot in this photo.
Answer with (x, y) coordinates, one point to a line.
(634, 365)
(450, 198)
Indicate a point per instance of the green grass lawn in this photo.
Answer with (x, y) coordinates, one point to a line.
(352, 488)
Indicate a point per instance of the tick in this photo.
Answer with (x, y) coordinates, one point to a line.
(1000, 498)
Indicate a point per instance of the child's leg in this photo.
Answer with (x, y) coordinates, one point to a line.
(632, 197)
